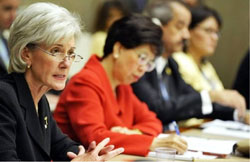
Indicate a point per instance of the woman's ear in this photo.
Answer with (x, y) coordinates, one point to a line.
(26, 56)
(116, 49)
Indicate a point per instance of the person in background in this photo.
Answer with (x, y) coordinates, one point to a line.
(98, 102)
(8, 9)
(108, 12)
(135, 6)
(193, 64)
(42, 43)
(163, 89)
(241, 83)
(193, 3)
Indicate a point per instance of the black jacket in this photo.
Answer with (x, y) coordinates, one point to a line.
(242, 82)
(23, 135)
(184, 102)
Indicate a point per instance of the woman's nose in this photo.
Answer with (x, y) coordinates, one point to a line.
(66, 62)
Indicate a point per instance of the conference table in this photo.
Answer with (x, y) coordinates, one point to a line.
(194, 133)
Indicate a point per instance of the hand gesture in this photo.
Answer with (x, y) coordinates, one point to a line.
(96, 153)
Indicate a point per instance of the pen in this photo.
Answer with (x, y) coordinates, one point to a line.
(176, 128)
(215, 154)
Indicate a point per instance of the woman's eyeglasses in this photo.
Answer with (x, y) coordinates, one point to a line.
(210, 31)
(59, 56)
(144, 60)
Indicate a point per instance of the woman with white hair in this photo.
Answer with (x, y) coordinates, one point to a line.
(42, 44)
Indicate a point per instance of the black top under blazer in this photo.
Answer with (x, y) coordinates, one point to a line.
(183, 103)
(23, 135)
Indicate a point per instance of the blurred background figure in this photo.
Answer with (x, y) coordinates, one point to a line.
(193, 3)
(108, 12)
(135, 6)
(98, 102)
(8, 11)
(164, 90)
(241, 83)
(194, 65)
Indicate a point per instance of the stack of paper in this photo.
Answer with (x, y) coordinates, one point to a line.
(213, 146)
(227, 128)
(233, 125)
(187, 156)
(198, 148)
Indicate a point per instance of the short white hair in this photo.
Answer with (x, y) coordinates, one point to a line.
(39, 23)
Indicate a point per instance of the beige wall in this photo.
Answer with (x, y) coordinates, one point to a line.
(233, 42)
(85, 8)
(234, 39)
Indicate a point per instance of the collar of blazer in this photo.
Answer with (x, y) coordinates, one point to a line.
(31, 118)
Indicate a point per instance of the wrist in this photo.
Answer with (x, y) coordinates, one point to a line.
(212, 95)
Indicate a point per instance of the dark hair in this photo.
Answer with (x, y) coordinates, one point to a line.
(201, 13)
(133, 31)
(103, 13)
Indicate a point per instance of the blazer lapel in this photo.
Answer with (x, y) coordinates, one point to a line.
(31, 118)
(44, 115)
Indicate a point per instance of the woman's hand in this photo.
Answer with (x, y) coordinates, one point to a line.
(172, 141)
(96, 153)
(125, 130)
(247, 118)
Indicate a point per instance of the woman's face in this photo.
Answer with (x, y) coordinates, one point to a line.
(48, 71)
(204, 37)
(132, 63)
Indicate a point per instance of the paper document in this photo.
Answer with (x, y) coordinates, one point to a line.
(231, 125)
(214, 146)
(187, 156)
(226, 132)
(227, 128)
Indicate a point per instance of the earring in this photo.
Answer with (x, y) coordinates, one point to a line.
(116, 55)
(28, 66)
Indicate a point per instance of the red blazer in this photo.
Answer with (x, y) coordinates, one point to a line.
(88, 109)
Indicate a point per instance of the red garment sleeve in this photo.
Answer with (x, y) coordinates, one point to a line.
(86, 113)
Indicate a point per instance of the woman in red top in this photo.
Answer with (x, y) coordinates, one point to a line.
(98, 102)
